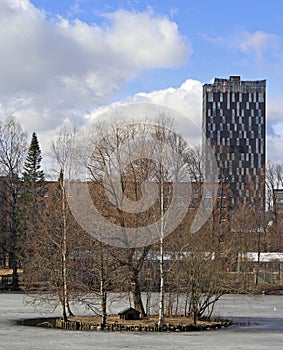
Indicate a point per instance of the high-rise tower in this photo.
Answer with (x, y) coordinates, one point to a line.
(234, 126)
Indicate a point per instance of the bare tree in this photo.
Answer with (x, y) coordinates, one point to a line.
(13, 146)
(116, 180)
(63, 149)
(50, 257)
(274, 183)
(123, 157)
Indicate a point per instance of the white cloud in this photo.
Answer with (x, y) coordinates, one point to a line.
(254, 45)
(274, 130)
(274, 148)
(55, 68)
(257, 44)
(183, 102)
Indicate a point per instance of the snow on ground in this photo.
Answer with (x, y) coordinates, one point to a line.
(262, 316)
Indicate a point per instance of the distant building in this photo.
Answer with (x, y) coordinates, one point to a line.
(234, 118)
(278, 200)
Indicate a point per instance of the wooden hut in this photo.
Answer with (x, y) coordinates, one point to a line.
(129, 314)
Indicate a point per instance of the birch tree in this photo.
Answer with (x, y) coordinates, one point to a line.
(63, 149)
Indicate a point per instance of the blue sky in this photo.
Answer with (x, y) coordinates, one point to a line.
(70, 59)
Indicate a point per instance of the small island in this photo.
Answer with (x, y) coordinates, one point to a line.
(115, 323)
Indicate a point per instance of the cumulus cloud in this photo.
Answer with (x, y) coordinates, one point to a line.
(274, 130)
(53, 68)
(183, 104)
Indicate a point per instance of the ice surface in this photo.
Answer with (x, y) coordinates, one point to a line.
(262, 316)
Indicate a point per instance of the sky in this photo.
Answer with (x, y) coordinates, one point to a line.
(71, 60)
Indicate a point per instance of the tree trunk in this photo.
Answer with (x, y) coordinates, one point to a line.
(14, 260)
(103, 292)
(161, 290)
(136, 291)
(258, 257)
(66, 305)
(161, 259)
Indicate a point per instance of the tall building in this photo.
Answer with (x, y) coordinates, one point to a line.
(234, 126)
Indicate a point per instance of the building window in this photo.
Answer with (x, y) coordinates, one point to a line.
(260, 97)
(233, 97)
(210, 97)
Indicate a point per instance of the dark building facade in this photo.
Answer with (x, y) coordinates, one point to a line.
(234, 119)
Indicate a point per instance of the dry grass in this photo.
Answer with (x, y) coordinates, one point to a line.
(146, 321)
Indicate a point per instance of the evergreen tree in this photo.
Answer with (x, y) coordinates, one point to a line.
(31, 187)
(33, 176)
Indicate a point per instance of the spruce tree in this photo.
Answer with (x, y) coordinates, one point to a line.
(31, 186)
(33, 176)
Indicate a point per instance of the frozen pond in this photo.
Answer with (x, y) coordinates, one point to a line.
(263, 316)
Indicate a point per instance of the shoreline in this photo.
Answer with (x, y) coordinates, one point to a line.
(114, 324)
